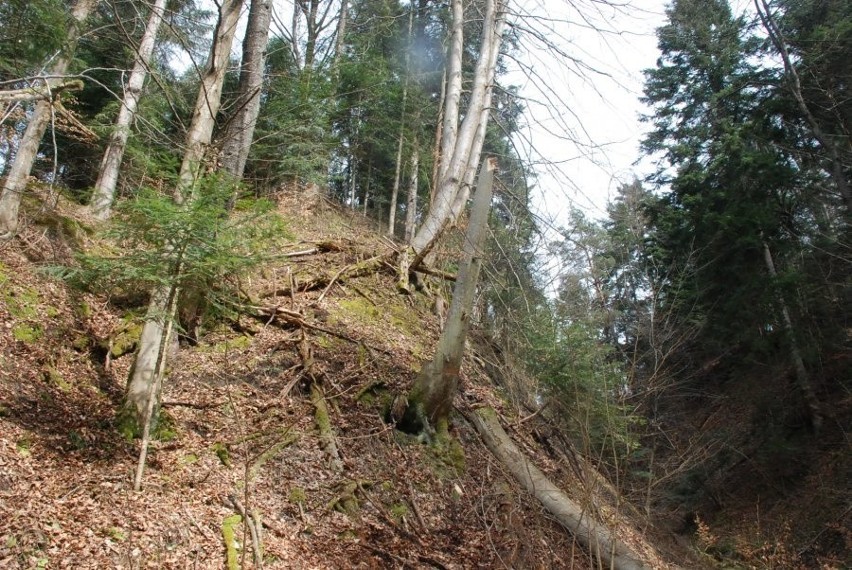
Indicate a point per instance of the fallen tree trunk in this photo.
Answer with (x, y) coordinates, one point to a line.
(588, 532)
(39, 92)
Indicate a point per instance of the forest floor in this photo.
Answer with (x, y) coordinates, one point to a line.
(239, 434)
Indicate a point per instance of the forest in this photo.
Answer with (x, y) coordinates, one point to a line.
(278, 288)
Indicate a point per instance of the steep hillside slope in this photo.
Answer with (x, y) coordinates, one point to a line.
(240, 435)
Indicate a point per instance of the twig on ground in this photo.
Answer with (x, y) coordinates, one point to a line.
(415, 508)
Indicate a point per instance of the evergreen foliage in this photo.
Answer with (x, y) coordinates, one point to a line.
(31, 31)
(193, 248)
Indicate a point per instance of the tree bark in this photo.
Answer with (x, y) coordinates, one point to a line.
(398, 167)
(160, 316)
(38, 92)
(431, 397)
(411, 204)
(453, 88)
(240, 132)
(459, 144)
(104, 191)
(16, 181)
(592, 535)
(803, 380)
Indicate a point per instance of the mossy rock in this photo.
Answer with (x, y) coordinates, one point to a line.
(188, 459)
(346, 501)
(232, 344)
(399, 511)
(221, 451)
(84, 310)
(24, 446)
(67, 229)
(405, 320)
(126, 337)
(82, 343)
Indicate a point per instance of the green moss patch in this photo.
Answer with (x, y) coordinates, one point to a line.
(230, 537)
(24, 332)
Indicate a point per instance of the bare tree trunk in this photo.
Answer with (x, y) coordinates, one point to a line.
(476, 146)
(431, 397)
(338, 41)
(104, 191)
(436, 150)
(398, 168)
(16, 181)
(37, 92)
(396, 176)
(352, 186)
(452, 89)
(411, 204)
(578, 521)
(150, 362)
(240, 132)
(458, 144)
(803, 380)
(294, 35)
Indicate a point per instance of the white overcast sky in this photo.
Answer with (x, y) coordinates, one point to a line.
(583, 127)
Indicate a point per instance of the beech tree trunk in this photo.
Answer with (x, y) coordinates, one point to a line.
(104, 191)
(803, 380)
(240, 132)
(461, 144)
(578, 521)
(150, 358)
(16, 181)
(453, 88)
(431, 397)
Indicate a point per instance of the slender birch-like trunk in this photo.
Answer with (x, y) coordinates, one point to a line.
(240, 132)
(398, 168)
(103, 194)
(150, 358)
(411, 204)
(16, 180)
